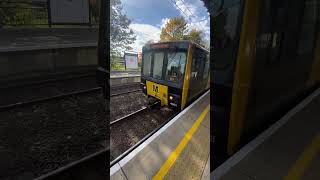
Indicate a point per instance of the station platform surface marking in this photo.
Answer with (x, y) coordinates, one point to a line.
(193, 159)
(147, 159)
(290, 149)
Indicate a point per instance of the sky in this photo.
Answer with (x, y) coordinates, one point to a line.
(149, 16)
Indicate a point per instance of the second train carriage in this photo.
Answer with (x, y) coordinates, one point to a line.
(174, 73)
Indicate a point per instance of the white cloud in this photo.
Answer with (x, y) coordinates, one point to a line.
(164, 21)
(144, 33)
(191, 12)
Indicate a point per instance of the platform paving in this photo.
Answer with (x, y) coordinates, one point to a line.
(145, 161)
(291, 151)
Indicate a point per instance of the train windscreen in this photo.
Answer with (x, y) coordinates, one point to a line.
(158, 65)
(176, 66)
(164, 65)
(147, 64)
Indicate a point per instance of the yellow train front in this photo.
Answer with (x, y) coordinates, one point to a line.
(174, 73)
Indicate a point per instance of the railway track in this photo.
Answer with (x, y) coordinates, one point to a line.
(138, 126)
(38, 100)
(144, 137)
(128, 116)
(13, 95)
(93, 166)
(59, 78)
(126, 92)
(124, 89)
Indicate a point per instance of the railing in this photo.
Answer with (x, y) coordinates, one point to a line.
(28, 13)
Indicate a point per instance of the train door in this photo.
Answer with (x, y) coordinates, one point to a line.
(261, 70)
(281, 69)
(206, 73)
(226, 25)
(196, 76)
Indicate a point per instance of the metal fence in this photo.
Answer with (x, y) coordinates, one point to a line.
(29, 13)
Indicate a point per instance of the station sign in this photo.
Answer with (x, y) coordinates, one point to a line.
(69, 11)
(131, 60)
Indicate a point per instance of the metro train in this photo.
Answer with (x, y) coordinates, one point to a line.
(174, 73)
(266, 59)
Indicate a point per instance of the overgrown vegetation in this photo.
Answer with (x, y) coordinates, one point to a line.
(22, 13)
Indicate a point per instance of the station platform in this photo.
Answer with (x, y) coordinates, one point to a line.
(27, 39)
(178, 150)
(118, 78)
(289, 149)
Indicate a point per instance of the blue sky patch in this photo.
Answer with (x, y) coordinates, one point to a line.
(149, 16)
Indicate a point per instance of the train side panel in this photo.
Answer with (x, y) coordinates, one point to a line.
(199, 74)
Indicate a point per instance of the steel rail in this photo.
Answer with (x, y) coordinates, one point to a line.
(74, 164)
(126, 92)
(134, 113)
(39, 100)
(116, 160)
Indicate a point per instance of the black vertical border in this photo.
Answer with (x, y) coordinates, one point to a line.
(103, 72)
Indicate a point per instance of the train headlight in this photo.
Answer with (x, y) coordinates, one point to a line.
(170, 97)
(144, 87)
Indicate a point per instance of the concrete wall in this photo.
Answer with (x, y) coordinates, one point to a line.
(124, 80)
(39, 63)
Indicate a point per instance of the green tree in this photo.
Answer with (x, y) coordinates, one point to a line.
(195, 36)
(114, 62)
(121, 36)
(176, 29)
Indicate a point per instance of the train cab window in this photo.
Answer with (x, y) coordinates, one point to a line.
(195, 67)
(308, 29)
(176, 66)
(147, 64)
(206, 68)
(198, 62)
(157, 65)
(226, 34)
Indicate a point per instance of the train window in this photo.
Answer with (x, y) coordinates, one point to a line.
(220, 5)
(308, 29)
(206, 68)
(157, 65)
(226, 37)
(198, 62)
(195, 65)
(147, 64)
(176, 66)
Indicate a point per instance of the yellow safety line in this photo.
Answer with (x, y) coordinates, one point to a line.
(175, 154)
(299, 167)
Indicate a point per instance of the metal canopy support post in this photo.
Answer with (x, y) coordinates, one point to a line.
(49, 13)
(89, 10)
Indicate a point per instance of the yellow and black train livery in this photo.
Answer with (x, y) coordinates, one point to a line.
(174, 73)
(266, 59)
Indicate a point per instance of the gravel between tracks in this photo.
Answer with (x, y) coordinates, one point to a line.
(37, 139)
(126, 103)
(128, 132)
